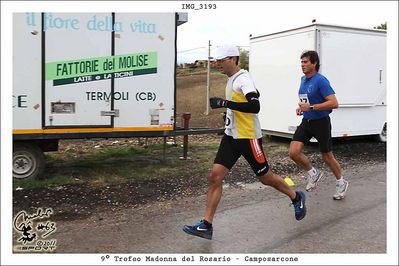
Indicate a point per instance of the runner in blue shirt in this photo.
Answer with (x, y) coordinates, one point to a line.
(316, 101)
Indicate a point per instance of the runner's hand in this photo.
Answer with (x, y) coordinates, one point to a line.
(305, 107)
(217, 102)
(298, 111)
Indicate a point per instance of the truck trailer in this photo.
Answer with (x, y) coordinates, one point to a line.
(90, 75)
(352, 59)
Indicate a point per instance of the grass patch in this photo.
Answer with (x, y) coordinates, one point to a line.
(41, 183)
(117, 165)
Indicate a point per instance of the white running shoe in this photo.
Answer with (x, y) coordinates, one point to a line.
(312, 182)
(341, 191)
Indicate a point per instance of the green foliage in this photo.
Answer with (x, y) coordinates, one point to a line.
(381, 27)
(244, 58)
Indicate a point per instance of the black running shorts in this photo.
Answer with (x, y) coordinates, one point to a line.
(320, 129)
(231, 149)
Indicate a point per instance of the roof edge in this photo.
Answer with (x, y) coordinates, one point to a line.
(319, 25)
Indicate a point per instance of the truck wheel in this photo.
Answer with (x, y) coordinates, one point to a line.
(28, 160)
(382, 137)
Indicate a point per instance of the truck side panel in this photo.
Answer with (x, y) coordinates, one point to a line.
(149, 98)
(358, 121)
(355, 64)
(354, 61)
(275, 66)
(86, 74)
(67, 102)
(27, 100)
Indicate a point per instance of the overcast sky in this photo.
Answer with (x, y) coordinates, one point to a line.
(233, 22)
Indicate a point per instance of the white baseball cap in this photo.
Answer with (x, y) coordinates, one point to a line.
(226, 50)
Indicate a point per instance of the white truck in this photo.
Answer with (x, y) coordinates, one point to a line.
(90, 75)
(352, 59)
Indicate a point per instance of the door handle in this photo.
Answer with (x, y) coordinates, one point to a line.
(110, 113)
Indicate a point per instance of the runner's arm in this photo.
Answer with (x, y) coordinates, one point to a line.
(251, 106)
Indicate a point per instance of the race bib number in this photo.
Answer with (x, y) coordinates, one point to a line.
(303, 98)
(229, 119)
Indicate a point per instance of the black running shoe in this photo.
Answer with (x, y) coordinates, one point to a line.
(199, 229)
(299, 206)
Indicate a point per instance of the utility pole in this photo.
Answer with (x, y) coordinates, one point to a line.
(208, 80)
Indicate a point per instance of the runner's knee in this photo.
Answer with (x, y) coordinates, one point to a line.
(215, 179)
(294, 152)
(266, 179)
(327, 157)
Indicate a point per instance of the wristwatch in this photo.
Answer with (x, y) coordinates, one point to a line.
(312, 107)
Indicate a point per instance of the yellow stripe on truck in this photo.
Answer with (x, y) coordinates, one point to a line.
(88, 130)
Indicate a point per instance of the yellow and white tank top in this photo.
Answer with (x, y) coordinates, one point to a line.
(240, 125)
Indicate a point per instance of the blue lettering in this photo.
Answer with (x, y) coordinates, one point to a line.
(58, 23)
(143, 27)
(103, 25)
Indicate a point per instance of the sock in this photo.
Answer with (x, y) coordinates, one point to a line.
(296, 197)
(312, 172)
(340, 181)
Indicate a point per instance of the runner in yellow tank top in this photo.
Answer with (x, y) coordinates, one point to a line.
(242, 136)
(241, 125)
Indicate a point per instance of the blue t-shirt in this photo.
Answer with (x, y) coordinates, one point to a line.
(313, 90)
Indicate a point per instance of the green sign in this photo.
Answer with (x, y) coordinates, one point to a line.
(138, 64)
